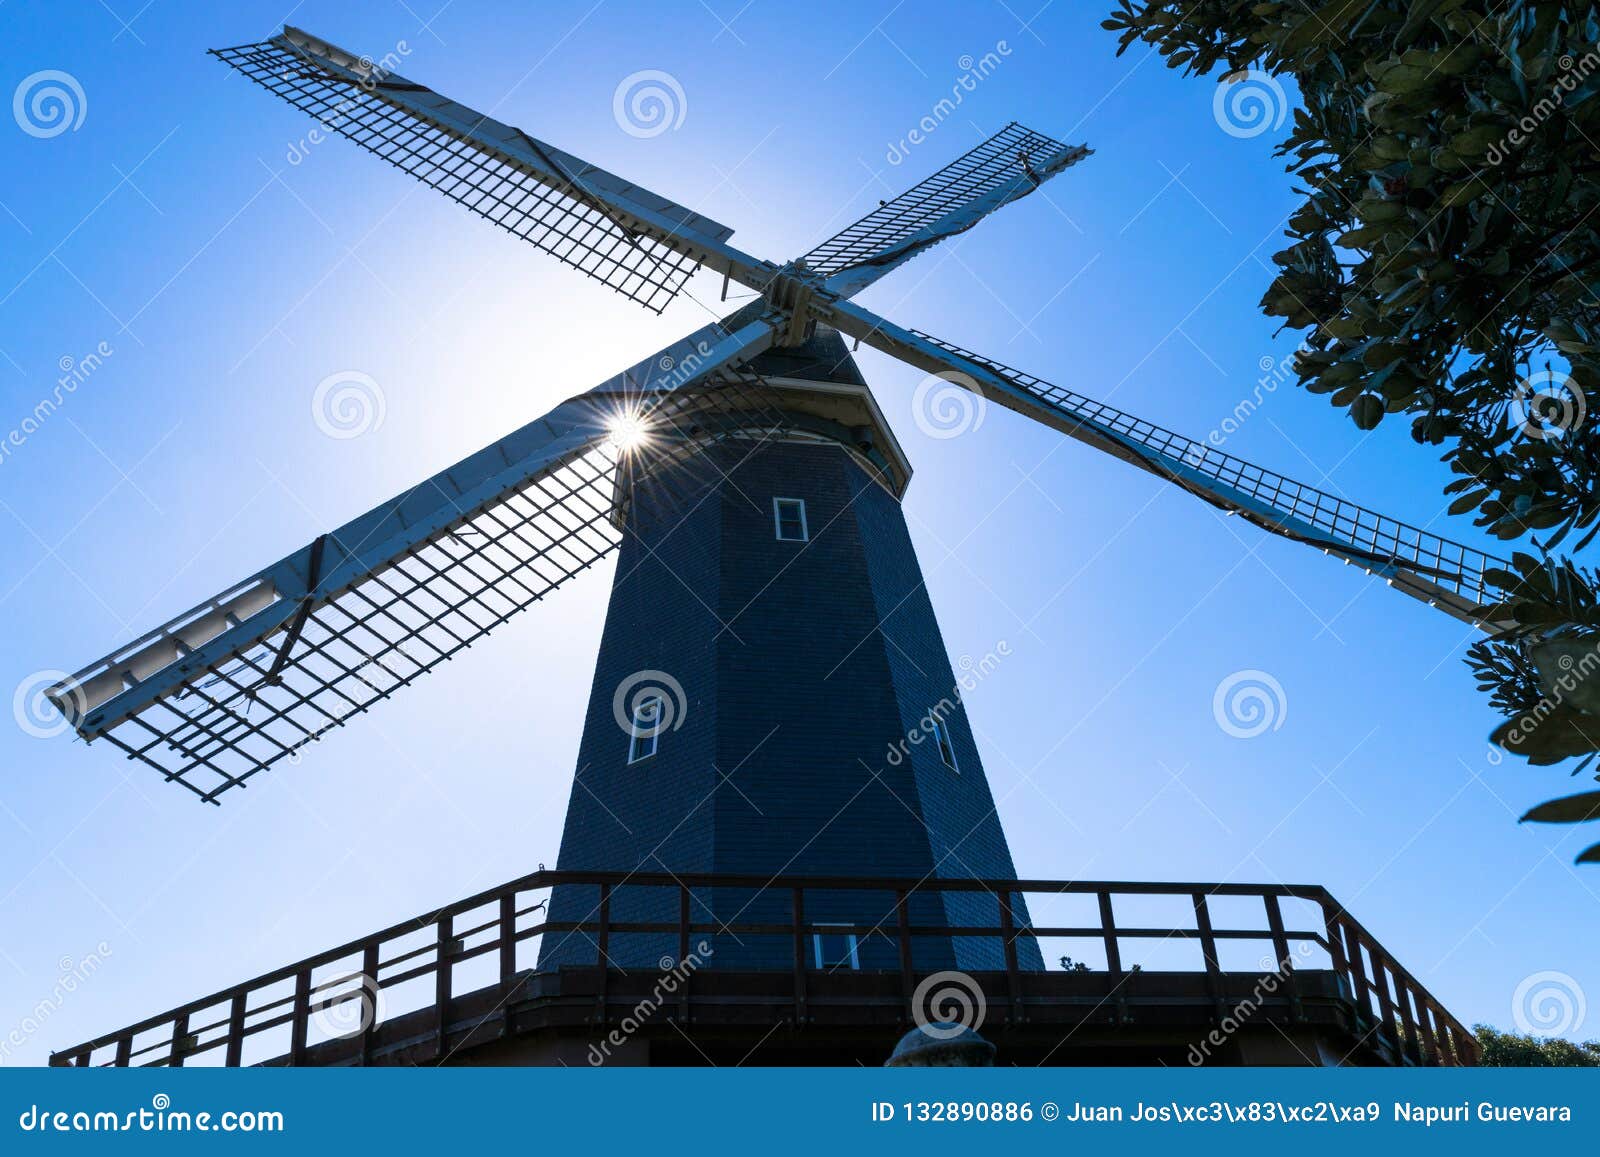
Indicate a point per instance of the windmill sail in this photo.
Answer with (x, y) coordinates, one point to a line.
(1426, 566)
(253, 675)
(1009, 165)
(637, 242)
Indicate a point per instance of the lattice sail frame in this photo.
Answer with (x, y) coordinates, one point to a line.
(254, 675)
(585, 216)
(305, 665)
(1435, 569)
(1011, 164)
(306, 644)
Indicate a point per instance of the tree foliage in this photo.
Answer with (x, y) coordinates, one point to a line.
(1445, 267)
(1513, 1050)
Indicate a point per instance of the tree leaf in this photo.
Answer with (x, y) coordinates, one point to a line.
(1572, 809)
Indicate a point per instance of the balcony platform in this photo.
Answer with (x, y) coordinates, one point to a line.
(449, 987)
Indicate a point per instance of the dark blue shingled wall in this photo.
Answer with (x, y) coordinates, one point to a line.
(801, 665)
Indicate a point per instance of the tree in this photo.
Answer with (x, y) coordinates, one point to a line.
(1513, 1050)
(1445, 267)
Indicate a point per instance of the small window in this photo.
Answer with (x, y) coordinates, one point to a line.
(835, 950)
(645, 734)
(790, 516)
(947, 750)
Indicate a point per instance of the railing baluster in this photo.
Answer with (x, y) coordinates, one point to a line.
(1008, 940)
(234, 1056)
(441, 984)
(508, 937)
(180, 1034)
(1284, 957)
(1331, 932)
(1381, 976)
(683, 952)
(1430, 1042)
(602, 1010)
(903, 941)
(1208, 952)
(299, 1017)
(1108, 930)
(1358, 970)
(369, 969)
(797, 912)
(1402, 996)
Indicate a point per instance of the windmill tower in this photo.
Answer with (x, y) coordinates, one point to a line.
(775, 763)
(772, 694)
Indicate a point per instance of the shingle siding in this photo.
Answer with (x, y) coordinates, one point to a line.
(802, 664)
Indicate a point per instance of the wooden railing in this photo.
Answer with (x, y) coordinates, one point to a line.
(1395, 1015)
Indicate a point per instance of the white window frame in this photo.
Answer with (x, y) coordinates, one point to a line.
(816, 945)
(777, 520)
(637, 741)
(943, 741)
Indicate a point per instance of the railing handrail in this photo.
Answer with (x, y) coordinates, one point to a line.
(300, 1002)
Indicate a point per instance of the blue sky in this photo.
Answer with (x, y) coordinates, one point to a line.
(227, 280)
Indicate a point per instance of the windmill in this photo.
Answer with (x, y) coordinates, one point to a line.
(768, 630)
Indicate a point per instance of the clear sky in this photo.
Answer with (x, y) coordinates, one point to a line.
(228, 270)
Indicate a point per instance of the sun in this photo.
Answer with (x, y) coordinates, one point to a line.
(627, 431)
